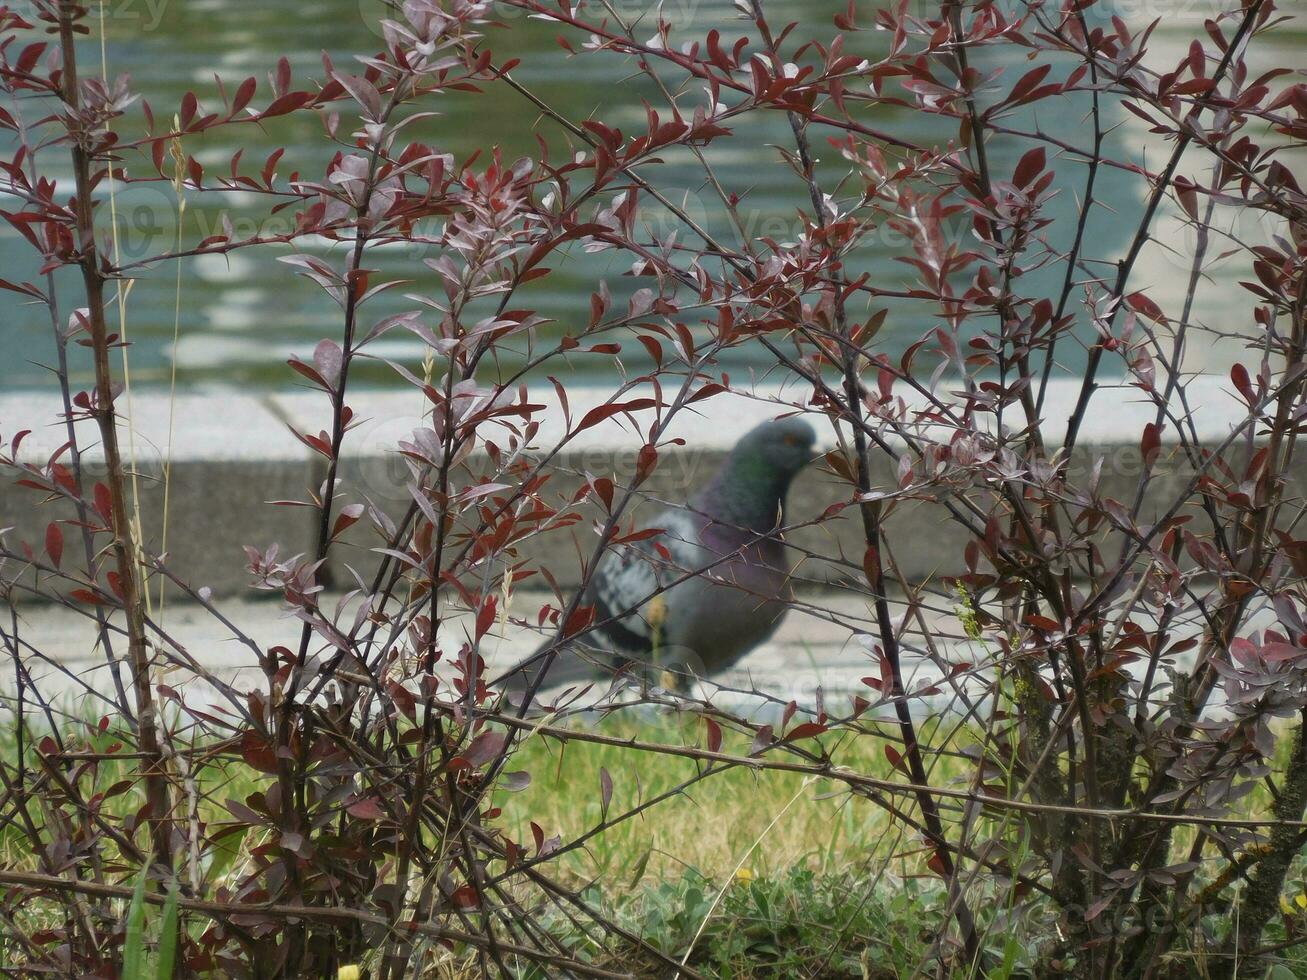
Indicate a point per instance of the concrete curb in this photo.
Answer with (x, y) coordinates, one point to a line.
(232, 452)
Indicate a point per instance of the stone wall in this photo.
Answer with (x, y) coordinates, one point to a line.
(233, 453)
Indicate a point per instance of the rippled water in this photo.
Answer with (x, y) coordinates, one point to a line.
(243, 314)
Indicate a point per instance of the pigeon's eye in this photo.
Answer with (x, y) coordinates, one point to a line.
(790, 440)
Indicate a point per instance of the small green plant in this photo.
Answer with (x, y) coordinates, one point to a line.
(137, 961)
(799, 922)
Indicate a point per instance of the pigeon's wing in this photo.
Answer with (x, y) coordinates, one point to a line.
(622, 582)
(629, 578)
(621, 589)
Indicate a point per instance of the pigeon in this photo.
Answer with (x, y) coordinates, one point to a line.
(693, 600)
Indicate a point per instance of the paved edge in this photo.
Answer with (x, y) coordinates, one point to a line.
(232, 452)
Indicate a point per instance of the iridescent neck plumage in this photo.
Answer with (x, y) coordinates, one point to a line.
(747, 492)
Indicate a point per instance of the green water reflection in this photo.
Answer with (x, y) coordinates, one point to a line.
(242, 315)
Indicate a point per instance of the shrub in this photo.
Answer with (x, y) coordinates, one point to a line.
(1107, 783)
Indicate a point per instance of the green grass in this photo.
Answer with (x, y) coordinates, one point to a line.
(751, 873)
(744, 874)
(765, 821)
(797, 922)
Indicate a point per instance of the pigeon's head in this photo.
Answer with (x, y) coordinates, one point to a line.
(754, 481)
(783, 446)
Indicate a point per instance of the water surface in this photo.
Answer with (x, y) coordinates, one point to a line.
(241, 315)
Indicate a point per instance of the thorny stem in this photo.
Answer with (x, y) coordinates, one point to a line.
(74, 448)
(124, 550)
(870, 512)
(1082, 222)
(1126, 267)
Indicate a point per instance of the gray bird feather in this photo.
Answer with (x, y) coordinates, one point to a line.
(695, 599)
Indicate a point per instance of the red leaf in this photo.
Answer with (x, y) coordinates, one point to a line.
(348, 516)
(1239, 377)
(646, 462)
(581, 617)
(1151, 443)
(328, 358)
(54, 543)
(641, 535)
(895, 758)
(64, 477)
(258, 752)
(1096, 909)
(1043, 623)
(287, 103)
(654, 348)
(807, 729)
(481, 750)
(27, 288)
(1278, 652)
(1144, 306)
(788, 713)
(1188, 195)
(937, 865)
(243, 94)
(365, 809)
(707, 391)
(605, 791)
(870, 565)
(403, 698)
(465, 897)
(714, 735)
(103, 502)
(189, 107)
(486, 615)
(1027, 85)
(598, 414)
(603, 488)
(1030, 166)
(308, 372)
